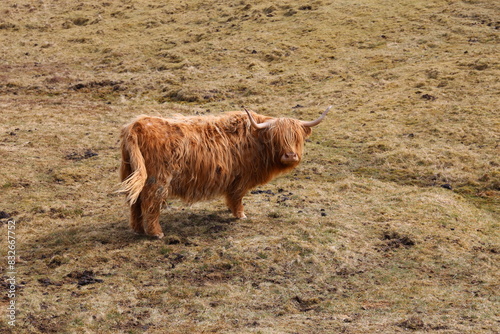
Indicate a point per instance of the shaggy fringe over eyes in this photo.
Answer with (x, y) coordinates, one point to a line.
(286, 134)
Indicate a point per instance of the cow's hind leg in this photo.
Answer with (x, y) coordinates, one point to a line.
(135, 209)
(151, 200)
(136, 217)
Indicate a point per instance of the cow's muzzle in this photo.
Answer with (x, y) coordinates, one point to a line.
(290, 158)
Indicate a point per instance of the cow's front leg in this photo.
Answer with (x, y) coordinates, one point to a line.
(234, 202)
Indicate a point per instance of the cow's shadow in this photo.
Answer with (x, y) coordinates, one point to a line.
(197, 223)
(179, 226)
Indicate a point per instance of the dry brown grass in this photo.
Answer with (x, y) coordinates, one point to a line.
(390, 223)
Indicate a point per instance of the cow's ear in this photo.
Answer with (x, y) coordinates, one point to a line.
(307, 131)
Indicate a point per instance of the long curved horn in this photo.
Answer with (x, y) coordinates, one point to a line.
(317, 121)
(254, 123)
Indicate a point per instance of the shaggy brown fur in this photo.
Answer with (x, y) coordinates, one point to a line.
(197, 158)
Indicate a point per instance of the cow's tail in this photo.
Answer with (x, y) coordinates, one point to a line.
(133, 169)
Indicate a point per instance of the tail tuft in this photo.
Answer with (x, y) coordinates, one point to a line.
(134, 173)
(132, 186)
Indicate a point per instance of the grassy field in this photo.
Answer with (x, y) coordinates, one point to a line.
(390, 224)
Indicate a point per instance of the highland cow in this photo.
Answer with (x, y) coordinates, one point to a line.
(201, 157)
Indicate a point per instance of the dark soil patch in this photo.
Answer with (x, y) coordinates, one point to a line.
(393, 240)
(84, 277)
(413, 323)
(78, 156)
(115, 85)
(4, 215)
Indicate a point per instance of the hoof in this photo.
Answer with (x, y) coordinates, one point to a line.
(242, 216)
(156, 236)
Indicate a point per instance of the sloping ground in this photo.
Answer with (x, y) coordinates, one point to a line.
(389, 224)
